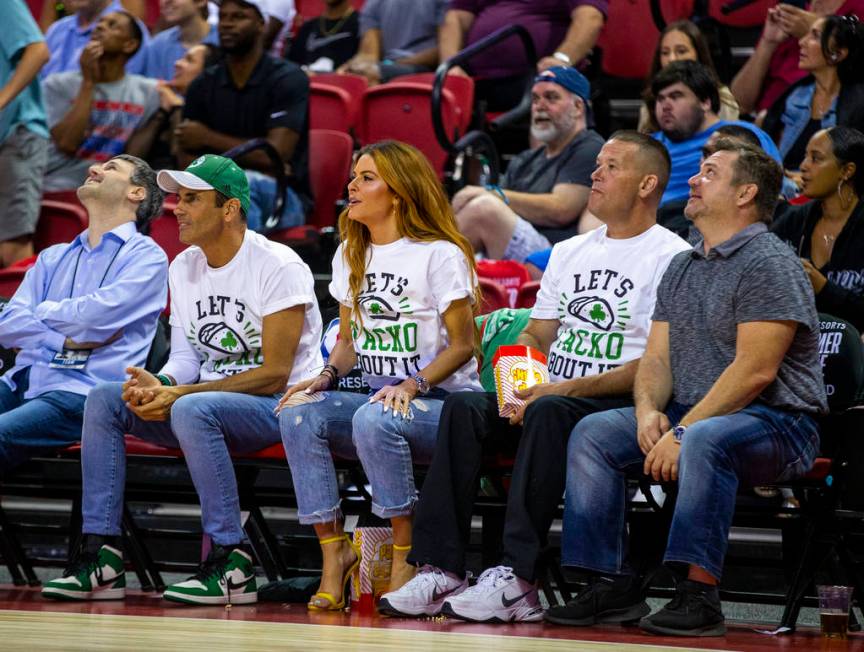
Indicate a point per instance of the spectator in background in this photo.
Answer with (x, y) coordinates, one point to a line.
(84, 312)
(682, 41)
(832, 52)
(773, 66)
(324, 43)
(686, 105)
(735, 132)
(23, 131)
(67, 37)
(545, 190)
(828, 232)
(188, 27)
(279, 15)
(155, 141)
(93, 113)
(563, 32)
(52, 10)
(397, 37)
(250, 94)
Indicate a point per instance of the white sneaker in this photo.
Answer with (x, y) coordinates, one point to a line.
(498, 597)
(423, 595)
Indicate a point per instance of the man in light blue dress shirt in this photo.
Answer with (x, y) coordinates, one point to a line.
(84, 313)
(68, 36)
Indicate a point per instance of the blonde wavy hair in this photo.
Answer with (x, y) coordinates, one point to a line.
(423, 213)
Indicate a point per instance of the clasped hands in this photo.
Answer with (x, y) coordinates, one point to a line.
(146, 397)
(656, 441)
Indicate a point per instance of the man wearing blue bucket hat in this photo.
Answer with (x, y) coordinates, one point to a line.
(545, 190)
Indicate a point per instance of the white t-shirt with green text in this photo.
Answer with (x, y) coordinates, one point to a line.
(221, 310)
(407, 288)
(602, 291)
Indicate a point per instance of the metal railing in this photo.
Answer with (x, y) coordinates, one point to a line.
(478, 140)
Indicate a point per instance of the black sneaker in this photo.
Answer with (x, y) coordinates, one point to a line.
(694, 611)
(604, 600)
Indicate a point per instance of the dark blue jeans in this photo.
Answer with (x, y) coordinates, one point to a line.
(758, 445)
(38, 425)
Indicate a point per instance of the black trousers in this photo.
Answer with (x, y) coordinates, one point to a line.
(469, 429)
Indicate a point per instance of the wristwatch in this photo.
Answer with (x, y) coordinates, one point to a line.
(423, 386)
(678, 433)
(563, 58)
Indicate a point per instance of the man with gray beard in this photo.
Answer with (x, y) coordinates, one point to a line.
(545, 190)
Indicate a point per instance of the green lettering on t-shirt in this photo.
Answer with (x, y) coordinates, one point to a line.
(409, 333)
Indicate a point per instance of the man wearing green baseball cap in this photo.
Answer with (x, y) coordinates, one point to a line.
(244, 323)
(209, 172)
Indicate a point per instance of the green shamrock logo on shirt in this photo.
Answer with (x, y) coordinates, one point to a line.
(597, 313)
(229, 341)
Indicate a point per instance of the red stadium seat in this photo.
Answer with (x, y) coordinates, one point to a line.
(629, 36)
(356, 85)
(403, 111)
(332, 107)
(461, 87)
(59, 221)
(164, 231)
(330, 155)
(527, 294)
(494, 296)
(510, 274)
(10, 279)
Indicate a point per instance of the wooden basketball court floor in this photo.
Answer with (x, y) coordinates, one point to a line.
(144, 622)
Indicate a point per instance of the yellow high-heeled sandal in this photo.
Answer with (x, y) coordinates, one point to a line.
(323, 601)
(404, 549)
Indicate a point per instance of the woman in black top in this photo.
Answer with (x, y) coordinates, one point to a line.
(828, 232)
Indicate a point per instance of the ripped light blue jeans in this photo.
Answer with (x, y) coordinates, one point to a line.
(348, 426)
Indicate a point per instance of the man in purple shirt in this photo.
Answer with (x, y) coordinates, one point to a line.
(563, 31)
(68, 36)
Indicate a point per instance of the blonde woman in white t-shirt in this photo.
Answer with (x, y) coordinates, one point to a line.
(406, 283)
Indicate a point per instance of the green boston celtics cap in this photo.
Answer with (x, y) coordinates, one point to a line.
(209, 172)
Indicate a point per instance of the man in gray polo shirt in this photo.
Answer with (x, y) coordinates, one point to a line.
(725, 394)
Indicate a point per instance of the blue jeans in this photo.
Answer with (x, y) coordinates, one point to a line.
(262, 201)
(37, 425)
(206, 426)
(758, 445)
(348, 426)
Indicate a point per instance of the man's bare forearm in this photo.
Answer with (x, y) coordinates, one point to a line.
(69, 133)
(614, 382)
(736, 388)
(652, 386)
(260, 381)
(34, 57)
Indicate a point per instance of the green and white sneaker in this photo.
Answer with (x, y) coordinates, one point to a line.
(93, 576)
(227, 577)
